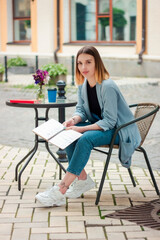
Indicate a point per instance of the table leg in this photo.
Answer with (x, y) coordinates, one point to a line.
(32, 152)
(19, 176)
(56, 159)
(16, 169)
(61, 153)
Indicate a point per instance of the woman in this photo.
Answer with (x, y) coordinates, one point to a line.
(101, 108)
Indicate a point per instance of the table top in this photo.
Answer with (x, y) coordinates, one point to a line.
(60, 103)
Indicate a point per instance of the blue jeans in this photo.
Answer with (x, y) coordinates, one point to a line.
(79, 151)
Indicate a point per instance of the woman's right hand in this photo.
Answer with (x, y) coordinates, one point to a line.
(69, 123)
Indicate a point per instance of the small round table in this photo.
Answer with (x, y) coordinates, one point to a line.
(60, 104)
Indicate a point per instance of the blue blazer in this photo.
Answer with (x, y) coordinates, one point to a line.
(114, 112)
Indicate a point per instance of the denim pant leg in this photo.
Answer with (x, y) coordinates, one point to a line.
(70, 149)
(79, 151)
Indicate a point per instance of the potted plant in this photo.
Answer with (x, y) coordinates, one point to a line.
(19, 66)
(56, 72)
(1, 72)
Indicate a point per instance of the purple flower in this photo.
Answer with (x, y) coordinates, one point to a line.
(41, 77)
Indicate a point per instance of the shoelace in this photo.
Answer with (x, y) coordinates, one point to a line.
(74, 182)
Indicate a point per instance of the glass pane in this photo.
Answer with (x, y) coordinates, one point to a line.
(22, 30)
(83, 20)
(103, 6)
(124, 20)
(21, 8)
(103, 29)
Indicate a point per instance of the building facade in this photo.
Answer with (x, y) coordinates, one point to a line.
(126, 33)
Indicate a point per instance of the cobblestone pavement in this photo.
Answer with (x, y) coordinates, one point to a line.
(22, 218)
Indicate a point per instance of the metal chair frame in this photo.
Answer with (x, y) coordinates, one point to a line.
(139, 149)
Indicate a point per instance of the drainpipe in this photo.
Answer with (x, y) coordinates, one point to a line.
(58, 33)
(140, 60)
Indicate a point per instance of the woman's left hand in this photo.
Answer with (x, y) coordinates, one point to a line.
(75, 128)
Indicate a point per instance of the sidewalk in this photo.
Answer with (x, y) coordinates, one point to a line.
(22, 218)
(27, 79)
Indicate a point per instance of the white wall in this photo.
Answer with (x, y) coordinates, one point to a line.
(108, 51)
(45, 27)
(9, 21)
(153, 29)
(66, 23)
(0, 34)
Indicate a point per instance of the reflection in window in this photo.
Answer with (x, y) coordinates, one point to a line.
(83, 20)
(93, 20)
(22, 29)
(21, 8)
(103, 6)
(124, 20)
(103, 29)
(21, 20)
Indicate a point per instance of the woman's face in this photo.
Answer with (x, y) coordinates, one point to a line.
(86, 66)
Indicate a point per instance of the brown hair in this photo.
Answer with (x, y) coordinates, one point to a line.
(100, 71)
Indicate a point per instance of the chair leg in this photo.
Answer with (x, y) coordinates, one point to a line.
(102, 179)
(131, 176)
(150, 170)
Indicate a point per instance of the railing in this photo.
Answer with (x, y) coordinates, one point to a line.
(36, 65)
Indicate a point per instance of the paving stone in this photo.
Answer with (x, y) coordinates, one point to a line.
(66, 214)
(123, 201)
(74, 207)
(38, 237)
(95, 233)
(5, 237)
(40, 217)
(10, 208)
(30, 225)
(68, 236)
(152, 238)
(76, 226)
(5, 229)
(19, 234)
(57, 221)
(123, 228)
(49, 230)
(103, 222)
(91, 211)
(24, 212)
(146, 234)
(82, 218)
(115, 236)
(15, 220)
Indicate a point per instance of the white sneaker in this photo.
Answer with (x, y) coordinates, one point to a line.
(79, 186)
(51, 197)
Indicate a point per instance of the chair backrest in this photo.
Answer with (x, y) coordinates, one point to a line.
(145, 124)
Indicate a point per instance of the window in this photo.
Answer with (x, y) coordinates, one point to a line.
(21, 21)
(103, 20)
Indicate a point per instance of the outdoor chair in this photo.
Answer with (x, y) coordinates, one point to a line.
(144, 116)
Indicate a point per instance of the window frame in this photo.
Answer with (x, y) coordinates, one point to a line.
(20, 19)
(102, 15)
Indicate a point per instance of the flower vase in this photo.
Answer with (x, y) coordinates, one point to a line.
(41, 94)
